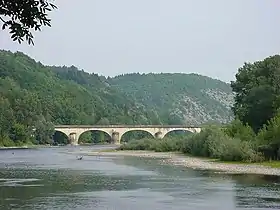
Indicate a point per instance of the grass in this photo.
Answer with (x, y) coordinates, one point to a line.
(272, 164)
(229, 162)
(108, 150)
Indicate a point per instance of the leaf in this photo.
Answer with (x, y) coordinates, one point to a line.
(4, 26)
(25, 15)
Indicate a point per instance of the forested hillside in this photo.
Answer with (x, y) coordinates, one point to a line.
(254, 134)
(34, 96)
(185, 98)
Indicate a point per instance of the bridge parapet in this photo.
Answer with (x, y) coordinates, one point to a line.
(117, 131)
(127, 126)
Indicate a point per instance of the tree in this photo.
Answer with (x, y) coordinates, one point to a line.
(86, 137)
(18, 134)
(22, 16)
(43, 132)
(268, 138)
(34, 98)
(257, 89)
(103, 121)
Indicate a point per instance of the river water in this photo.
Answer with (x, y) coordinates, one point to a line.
(52, 178)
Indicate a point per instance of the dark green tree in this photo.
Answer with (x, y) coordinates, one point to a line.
(43, 132)
(23, 16)
(19, 135)
(101, 137)
(257, 89)
(34, 98)
(86, 137)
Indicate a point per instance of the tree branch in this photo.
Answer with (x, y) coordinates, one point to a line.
(2, 20)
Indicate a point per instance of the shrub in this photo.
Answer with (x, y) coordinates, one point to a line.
(199, 144)
(212, 141)
(195, 144)
(237, 150)
(168, 144)
(5, 141)
(157, 145)
(268, 139)
(236, 129)
(142, 144)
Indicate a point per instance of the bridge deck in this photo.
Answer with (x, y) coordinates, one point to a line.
(125, 126)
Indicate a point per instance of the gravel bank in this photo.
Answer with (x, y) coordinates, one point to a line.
(195, 163)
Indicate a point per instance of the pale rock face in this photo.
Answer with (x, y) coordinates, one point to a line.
(188, 99)
(224, 98)
(193, 111)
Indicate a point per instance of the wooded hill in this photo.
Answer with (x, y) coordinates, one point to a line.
(178, 98)
(35, 96)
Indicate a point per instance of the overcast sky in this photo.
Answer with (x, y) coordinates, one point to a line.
(111, 37)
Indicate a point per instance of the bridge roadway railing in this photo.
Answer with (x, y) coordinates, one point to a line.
(126, 126)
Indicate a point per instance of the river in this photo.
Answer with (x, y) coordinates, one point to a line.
(52, 178)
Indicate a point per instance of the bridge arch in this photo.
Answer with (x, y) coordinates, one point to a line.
(62, 131)
(143, 131)
(191, 130)
(60, 137)
(96, 136)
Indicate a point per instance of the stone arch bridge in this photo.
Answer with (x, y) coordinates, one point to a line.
(116, 132)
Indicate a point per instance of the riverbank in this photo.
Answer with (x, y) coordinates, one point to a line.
(27, 147)
(17, 147)
(195, 162)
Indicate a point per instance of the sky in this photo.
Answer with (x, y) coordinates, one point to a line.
(109, 37)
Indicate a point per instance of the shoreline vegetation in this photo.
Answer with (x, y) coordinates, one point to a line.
(183, 160)
(196, 163)
(254, 134)
(31, 108)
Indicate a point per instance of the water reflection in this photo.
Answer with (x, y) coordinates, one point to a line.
(257, 191)
(54, 179)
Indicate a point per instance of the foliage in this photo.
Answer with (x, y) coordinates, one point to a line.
(269, 138)
(253, 136)
(158, 145)
(178, 98)
(43, 131)
(21, 16)
(257, 102)
(257, 89)
(142, 144)
(60, 138)
(5, 141)
(169, 144)
(236, 129)
(211, 142)
(132, 135)
(35, 97)
(215, 143)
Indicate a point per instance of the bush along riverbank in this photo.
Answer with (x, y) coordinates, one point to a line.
(234, 142)
(254, 135)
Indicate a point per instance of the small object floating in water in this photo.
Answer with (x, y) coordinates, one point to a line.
(80, 158)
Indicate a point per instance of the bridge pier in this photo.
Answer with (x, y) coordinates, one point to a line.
(116, 138)
(159, 135)
(73, 138)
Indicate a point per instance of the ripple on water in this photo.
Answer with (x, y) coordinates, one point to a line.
(58, 181)
(260, 197)
(18, 182)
